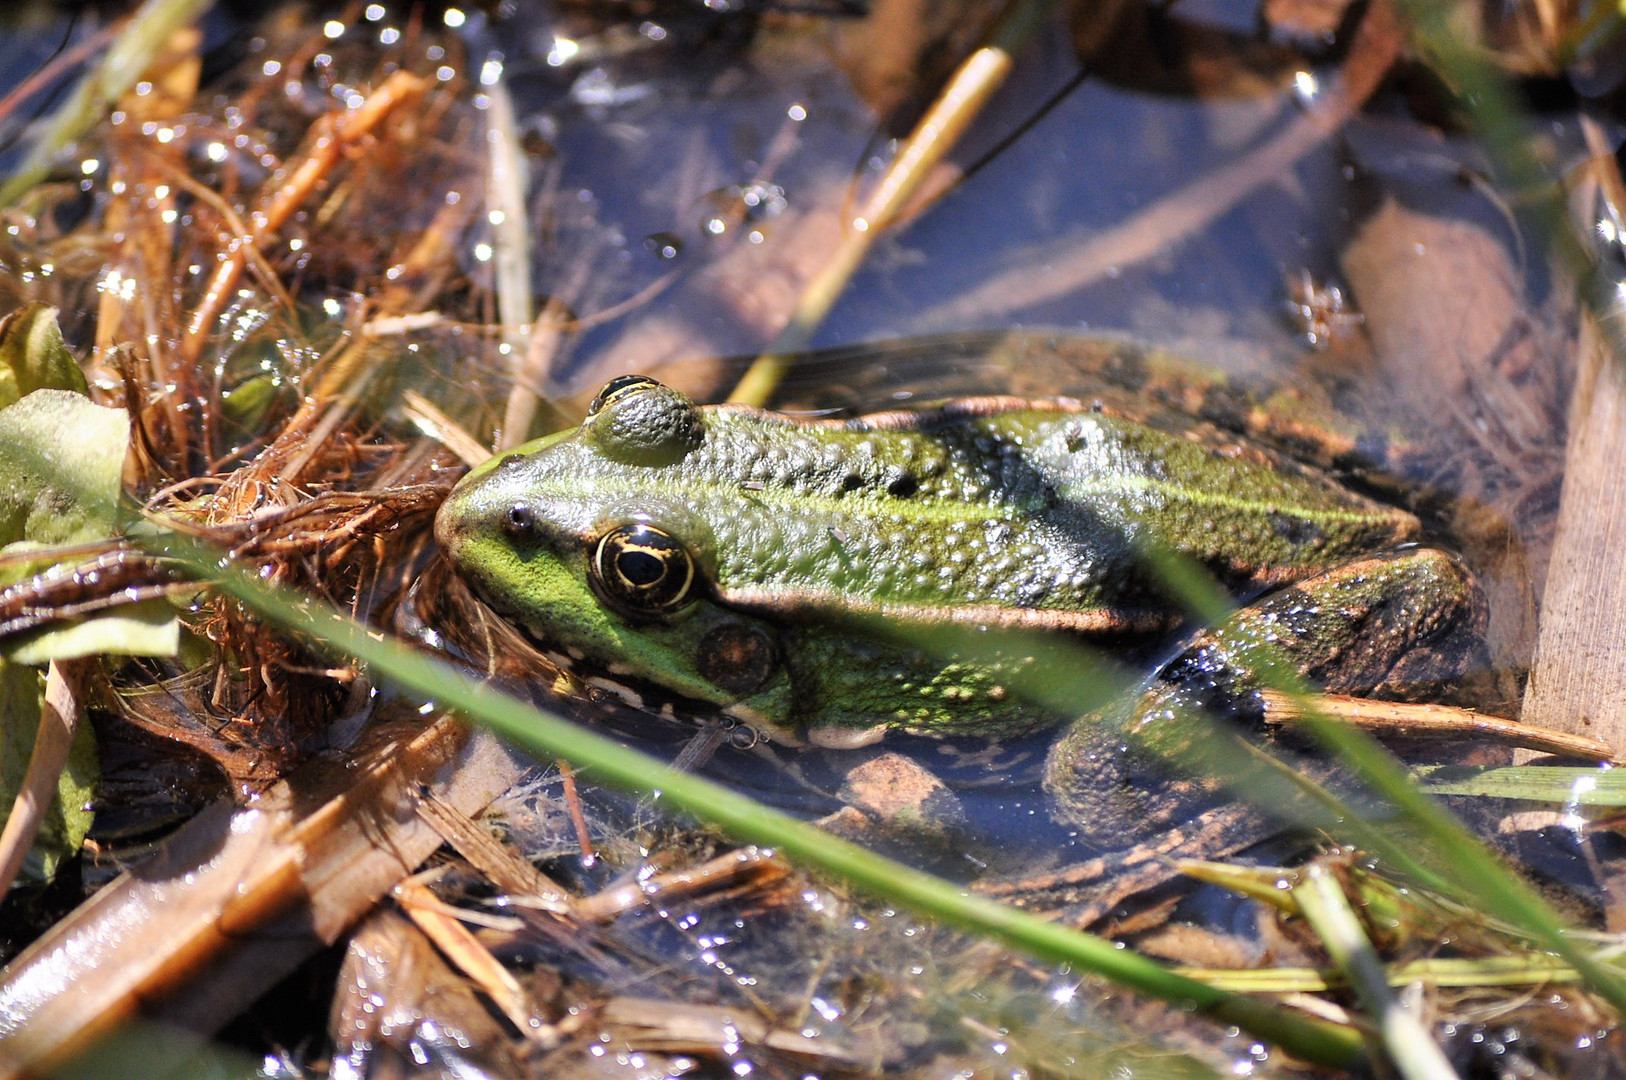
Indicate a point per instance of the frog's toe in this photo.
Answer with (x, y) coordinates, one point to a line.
(1118, 791)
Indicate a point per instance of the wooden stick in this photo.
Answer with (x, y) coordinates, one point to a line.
(1397, 719)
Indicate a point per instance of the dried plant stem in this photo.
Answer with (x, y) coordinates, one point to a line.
(53, 739)
(472, 958)
(1578, 674)
(1439, 972)
(332, 135)
(507, 179)
(443, 429)
(960, 102)
(578, 819)
(1395, 719)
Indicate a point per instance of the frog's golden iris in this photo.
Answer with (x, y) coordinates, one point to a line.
(642, 571)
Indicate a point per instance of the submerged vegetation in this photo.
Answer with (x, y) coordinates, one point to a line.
(277, 280)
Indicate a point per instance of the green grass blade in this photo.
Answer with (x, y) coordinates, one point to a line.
(433, 680)
(1562, 784)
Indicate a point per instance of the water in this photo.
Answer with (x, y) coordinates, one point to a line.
(685, 174)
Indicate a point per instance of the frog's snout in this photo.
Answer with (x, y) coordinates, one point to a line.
(455, 521)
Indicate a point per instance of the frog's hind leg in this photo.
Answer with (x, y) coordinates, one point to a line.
(1401, 626)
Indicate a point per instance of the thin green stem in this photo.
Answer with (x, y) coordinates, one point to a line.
(1414, 1052)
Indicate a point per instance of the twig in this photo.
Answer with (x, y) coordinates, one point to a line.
(464, 950)
(53, 739)
(972, 84)
(507, 180)
(427, 418)
(747, 866)
(584, 837)
(1395, 719)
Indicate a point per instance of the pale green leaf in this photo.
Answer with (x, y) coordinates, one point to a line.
(1562, 784)
(61, 459)
(33, 355)
(149, 628)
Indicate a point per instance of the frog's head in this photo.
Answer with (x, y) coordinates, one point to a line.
(591, 540)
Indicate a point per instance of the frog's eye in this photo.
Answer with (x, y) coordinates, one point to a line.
(620, 387)
(637, 421)
(642, 570)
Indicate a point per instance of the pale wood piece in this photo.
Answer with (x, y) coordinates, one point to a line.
(1578, 677)
(241, 895)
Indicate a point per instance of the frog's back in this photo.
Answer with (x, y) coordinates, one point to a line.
(993, 505)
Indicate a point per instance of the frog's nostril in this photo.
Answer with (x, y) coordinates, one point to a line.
(519, 522)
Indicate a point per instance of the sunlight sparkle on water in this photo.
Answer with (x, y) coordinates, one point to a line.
(1583, 786)
(333, 29)
(563, 52)
(1306, 86)
(454, 17)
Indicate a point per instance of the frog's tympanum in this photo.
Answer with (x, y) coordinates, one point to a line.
(777, 567)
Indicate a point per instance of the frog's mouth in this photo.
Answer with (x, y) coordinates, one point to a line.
(647, 696)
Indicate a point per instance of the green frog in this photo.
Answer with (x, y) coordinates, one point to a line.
(795, 573)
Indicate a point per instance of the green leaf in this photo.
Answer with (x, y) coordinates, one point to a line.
(61, 459)
(1563, 784)
(67, 821)
(61, 466)
(33, 355)
(149, 628)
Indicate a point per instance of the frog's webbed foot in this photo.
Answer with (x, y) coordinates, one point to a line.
(1403, 626)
